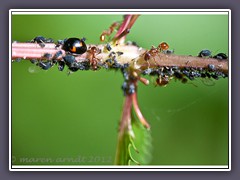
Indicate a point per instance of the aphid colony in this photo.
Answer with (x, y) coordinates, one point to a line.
(165, 74)
(74, 47)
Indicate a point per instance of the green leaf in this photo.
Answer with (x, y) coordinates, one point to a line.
(134, 144)
(142, 142)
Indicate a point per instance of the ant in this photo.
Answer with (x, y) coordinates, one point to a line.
(94, 51)
(109, 31)
(150, 54)
(153, 52)
(162, 80)
(163, 46)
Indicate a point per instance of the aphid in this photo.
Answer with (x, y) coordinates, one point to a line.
(215, 76)
(54, 61)
(178, 75)
(211, 67)
(108, 47)
(85, 65)
(119, 53)
(124, 87)
(116, 65)
(47, 56)
(49, 40)
(42, 40)
(109, 61)
(111, 54)
(168, 51)
(131, 88)
(126, 75)
(147, 71)
(58, 54)
(45, 65)
(39, 39)
(133, 43)
(224, 75)
(163, 46)
(125, 65)
(104, 65)
(59, 43)
(219, 74)
(33, 61)
(75, 46)
(208, 75)
(69, 59)
(203, 75)
(221, 56)
(204, 53)
(170, 72)
(18, 60)
(74, 67)
(61, 65)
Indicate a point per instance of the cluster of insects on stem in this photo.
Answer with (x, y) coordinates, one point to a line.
(133, 61)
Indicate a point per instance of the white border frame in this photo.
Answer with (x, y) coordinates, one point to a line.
(122, 11)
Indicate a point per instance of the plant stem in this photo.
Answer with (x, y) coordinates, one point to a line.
(131, 54)
(125, 122)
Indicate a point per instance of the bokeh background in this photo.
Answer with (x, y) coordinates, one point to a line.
(57, 118)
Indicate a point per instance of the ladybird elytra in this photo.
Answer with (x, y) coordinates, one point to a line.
(75, 45)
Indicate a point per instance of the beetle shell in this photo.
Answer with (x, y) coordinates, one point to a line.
(75, 46)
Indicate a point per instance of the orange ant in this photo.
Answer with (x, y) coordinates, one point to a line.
(163, 46)
(94, 51)
(148, 54)
(109, 31)
(153, 52)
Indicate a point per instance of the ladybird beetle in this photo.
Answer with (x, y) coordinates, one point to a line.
(75, 45)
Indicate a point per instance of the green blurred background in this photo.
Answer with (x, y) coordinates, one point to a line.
(63, 118)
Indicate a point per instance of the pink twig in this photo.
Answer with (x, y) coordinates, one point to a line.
(126, 115)
(125, 27)
(138, 111)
